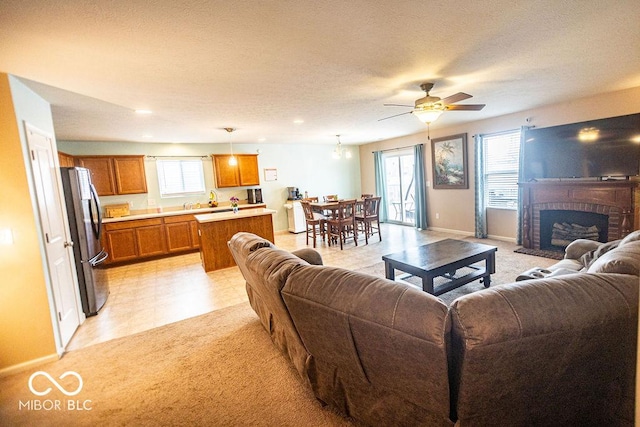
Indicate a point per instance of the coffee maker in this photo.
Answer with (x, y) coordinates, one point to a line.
(254, 195)
(294, 193)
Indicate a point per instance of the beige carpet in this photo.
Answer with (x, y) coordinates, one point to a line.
(218, 369)
(508, 266)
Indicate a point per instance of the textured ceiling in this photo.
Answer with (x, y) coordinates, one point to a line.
(257, 66)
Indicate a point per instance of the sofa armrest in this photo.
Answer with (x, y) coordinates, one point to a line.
(579, 247)
(309, 255)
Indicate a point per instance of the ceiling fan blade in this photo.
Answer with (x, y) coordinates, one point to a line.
(396, 115)
(468, 107)
(460, 96)
(397, 105)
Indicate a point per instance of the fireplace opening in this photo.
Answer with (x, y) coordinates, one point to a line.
(558, 228)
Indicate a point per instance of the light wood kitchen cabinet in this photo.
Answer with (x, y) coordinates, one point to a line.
(66, 160)
(181, 232)
(245, 173)
(113, 175)
(129, 174)
(101, 169)
(138, 239)
(151, 239)
(120, 245)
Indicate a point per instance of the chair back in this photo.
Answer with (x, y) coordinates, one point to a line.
(331, 198)
(371, 207)
(346, 209)
(308, 212)
(366, 196)
(311, 199)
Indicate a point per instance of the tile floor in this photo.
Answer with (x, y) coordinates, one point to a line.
(154, 293)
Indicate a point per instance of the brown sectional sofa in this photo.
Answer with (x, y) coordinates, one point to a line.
(556, 351)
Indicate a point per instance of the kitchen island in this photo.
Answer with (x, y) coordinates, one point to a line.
(216, 229)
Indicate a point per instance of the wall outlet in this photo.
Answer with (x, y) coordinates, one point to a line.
(437, 215)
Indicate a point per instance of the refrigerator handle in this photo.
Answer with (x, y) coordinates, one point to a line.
(99, 259)
(97, 226)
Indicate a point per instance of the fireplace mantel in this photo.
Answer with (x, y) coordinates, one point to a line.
(614, 198)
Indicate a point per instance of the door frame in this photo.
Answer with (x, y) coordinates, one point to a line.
(29, 128)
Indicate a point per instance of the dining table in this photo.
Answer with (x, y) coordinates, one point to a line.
(329, 207)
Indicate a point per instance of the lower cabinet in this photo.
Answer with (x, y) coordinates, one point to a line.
(120, 244)
(181, 232)
(143, 238)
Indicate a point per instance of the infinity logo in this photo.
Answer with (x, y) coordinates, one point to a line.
(54, 382)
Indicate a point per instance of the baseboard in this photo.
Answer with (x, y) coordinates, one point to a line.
(468, 234)
(502, 238)
(20, 367)
(446, 230)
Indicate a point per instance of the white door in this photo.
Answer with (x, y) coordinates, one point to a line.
(58, 248)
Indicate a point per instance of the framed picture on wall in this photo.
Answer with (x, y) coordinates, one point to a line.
(449, 162)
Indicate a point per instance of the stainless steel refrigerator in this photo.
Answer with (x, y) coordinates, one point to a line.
(85, 223)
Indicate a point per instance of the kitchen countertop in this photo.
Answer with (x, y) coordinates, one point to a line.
(243, 213)
(207, 210)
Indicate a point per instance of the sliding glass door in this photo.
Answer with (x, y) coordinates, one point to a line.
(400, 186)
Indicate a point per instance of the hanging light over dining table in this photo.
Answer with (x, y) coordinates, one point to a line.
(340, 151)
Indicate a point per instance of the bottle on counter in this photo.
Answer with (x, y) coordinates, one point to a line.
(306, 194)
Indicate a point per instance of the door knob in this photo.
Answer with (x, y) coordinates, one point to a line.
(68, 244)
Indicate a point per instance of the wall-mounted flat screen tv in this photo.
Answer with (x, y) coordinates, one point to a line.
(596, 148)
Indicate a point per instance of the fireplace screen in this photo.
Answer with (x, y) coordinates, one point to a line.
(558, 228)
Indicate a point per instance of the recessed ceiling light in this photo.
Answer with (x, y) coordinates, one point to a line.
(262, 139)
(144, 111)
(146, 135)
(298, 121)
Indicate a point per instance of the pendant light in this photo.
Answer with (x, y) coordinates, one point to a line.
(339, 151)
(232, 160)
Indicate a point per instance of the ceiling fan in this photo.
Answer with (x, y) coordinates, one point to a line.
(429, 108)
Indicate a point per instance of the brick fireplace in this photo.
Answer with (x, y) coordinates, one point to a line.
(609, 205)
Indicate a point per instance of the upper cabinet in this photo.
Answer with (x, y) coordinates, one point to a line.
(113, 175)
(66, 160)
(245, 173)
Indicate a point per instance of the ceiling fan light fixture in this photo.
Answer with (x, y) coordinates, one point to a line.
(428, 115)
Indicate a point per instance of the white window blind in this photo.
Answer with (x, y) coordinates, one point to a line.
(502, 156)
(180, 177)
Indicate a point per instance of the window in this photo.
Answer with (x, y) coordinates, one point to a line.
(502, 157)
(180, 177)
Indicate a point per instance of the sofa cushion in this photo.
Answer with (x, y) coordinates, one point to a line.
(588, 258)
(631, 237)
(624, 259)
(544, 352)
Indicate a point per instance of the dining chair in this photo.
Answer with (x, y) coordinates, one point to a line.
(316, 222)
(366, 196)
(368, 219)
(331, 198)
(342, 225)
(311, 199)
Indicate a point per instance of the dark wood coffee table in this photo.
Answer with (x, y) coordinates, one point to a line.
(443, 259)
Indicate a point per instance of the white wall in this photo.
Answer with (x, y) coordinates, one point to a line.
(308, 167)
